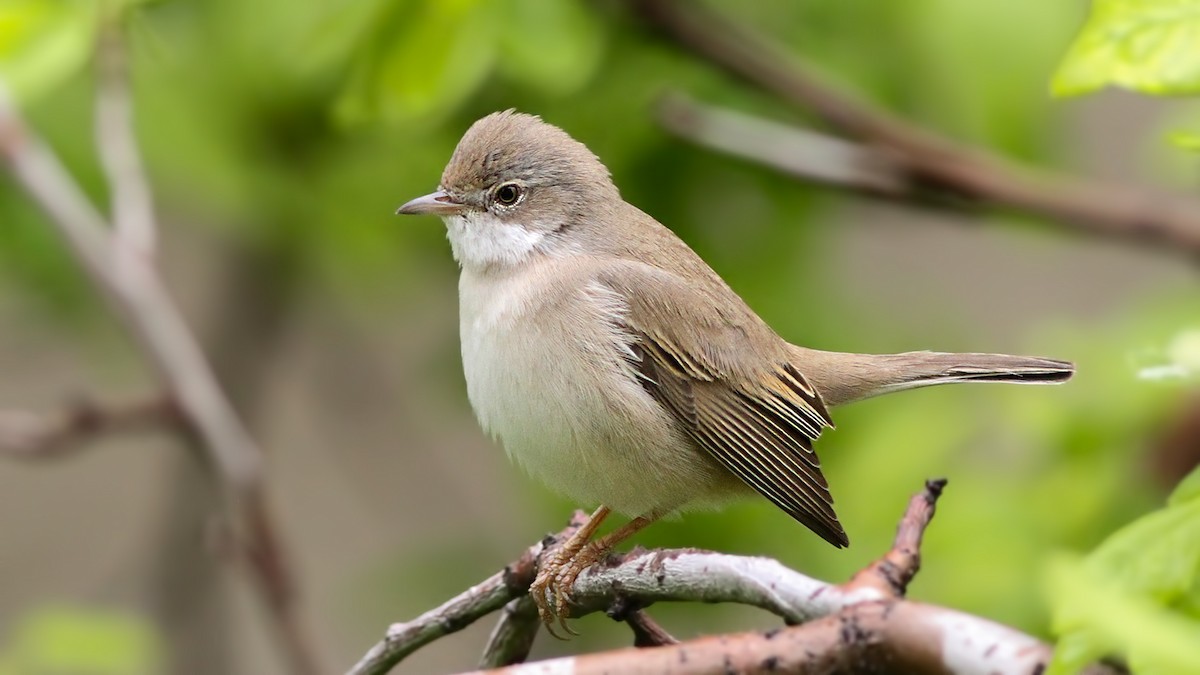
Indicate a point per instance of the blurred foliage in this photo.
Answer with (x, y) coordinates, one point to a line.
(1137, 595)
(78, 641)
(295, 129)
(43, 42)
(1145, 45)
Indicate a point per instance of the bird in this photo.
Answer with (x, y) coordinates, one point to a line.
(613, 364)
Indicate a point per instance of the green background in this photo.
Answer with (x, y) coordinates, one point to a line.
(280, 137)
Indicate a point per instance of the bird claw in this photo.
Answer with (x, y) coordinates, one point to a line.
(551, 590)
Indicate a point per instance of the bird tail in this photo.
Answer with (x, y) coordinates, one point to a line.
(843, 378)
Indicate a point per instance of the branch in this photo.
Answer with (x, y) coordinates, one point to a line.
(120, 268)
(893, 637)
(892, 573)
(462, 610)
(512, 638)
(33, 436)
(138, 297)
(647, 632)
(807, 155)
(862, 624)
(928, 162)
(271, 571)
(642, 578)
(132, 204)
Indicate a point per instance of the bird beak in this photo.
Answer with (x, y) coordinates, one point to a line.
(435, 203)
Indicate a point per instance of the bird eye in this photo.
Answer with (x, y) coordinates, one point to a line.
(508, 194)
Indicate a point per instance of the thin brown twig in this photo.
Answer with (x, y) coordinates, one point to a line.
(859, 626)
(928, 161)
(892, 572)
(136, 295)
(272, 570)
(869, 637)
(37, 436)
(462, 610)
(647, 632)
(125, 275)
(116, 143)
(808, 155)
(853, 625)
(512, 637)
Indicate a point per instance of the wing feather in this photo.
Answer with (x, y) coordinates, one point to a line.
(758, 417)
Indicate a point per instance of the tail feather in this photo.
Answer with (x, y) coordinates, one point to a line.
(935, 368)
(843, 378)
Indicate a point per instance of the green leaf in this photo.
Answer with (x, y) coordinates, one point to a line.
(973, 84)
(1157, 555)
(425, 57)
(1100, 618)
(1125, 597)
(1144, 45)
(44, 42)
(1185, 140)
(1188, 489)
(554, 47)
(334, 32)
(84, 641)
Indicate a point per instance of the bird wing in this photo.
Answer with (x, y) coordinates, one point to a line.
(757, 416)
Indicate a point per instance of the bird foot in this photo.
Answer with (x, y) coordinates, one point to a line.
(551, 590)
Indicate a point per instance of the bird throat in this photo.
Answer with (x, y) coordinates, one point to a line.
(480, 240)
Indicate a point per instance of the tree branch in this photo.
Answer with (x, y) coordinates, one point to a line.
(892, 573)
(513, 636)
(875, 637)
(864, 623)
(33, 436)
(137, 295)
(801, 153)
(132, 203)
(926, 161)
(647, 632)
(120, 267)
(462, 610)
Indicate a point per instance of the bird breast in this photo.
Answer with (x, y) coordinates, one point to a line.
(552, 375)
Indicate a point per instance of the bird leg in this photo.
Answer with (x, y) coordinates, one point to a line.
(544, 585)
(551, 590)
(590, 554)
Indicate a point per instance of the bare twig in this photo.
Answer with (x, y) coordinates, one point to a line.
(929, 163)
(808, 155)
(892, 573)
(647, 632)
(889, 636)
(29, 435)
(272, 571)
(452, 616)
(646, 577)
(513, 636)
(860, 626)
(120, 268)
(462, 610)
(138, 297)
(132, 204)
(864, 622)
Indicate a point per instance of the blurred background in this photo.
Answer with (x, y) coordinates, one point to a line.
(279, 139)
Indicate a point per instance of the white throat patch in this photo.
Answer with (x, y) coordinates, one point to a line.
(480, 240)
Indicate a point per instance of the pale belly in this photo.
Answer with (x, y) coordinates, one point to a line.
(550, 380)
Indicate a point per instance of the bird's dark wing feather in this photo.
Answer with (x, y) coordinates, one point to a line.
(757, 416)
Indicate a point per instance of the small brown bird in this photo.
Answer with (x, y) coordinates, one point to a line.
(612, 363)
